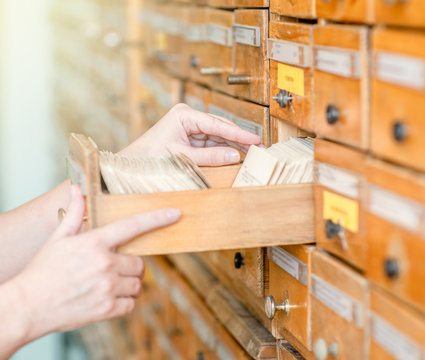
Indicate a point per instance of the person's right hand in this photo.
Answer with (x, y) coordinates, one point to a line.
(76, 279)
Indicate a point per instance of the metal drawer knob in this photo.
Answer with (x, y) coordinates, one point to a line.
(321, 349)
(283, 98)
(400, 131)
(239, 79)
(332, 229)
(238, 260)
(200, 356)
(271, 307)
(391, 268)
(194, 61)
(211, 70)
(332, 114)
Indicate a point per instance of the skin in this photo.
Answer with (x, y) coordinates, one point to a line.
(58, 278)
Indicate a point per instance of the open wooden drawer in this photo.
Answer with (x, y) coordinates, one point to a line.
(213, 219)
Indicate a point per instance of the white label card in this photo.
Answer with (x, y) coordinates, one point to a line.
(400, 70)
(288, 262)
(393, 341)
(195, 33)
(337, 61)
(336, 300)
(220, 35)
(194, 102)
(247, 35)
(288, 52)
(337, 179)
(395, 208)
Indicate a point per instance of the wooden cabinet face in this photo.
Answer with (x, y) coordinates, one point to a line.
(238, 3)
(395, 235)
(406, 13)
(396, 330)
(197, 97)
(398, 95)
(291, 75)
(338, 303)
(346, 10)
(287, 352)
(302, 8)
(289, 269)
(339, 188)
(341, 78)
(250, 73)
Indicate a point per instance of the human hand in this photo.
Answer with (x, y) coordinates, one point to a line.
(205, 138)
(76, 279)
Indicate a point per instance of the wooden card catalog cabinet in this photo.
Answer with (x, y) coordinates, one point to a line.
(396, 331)
(338, 303)
(219, 62)
(395, 230)
(339, 186)
(291, 75)
(197, 97)
(302, 8)
(341, 83)
(287, 304)
(399, 12)
(398, 96)
(197, 42)
(251, 117)
(251, 71)
(346, 10)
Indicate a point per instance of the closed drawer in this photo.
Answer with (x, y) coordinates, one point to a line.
(406, 13)
(347, 10)
(341, 83)
(218, 63)
(302, 8)
(398, 93)
(291, 75)
(339, 186)
(395, 232)
(251, 72)
(338, 306)
(396, 331)
(288, 302)
(197, 97)
(251, 117)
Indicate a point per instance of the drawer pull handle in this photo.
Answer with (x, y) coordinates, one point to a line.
(332, 114)
(271, 307)
(238, 260)
(239, 79)
(332, 229)
(400, 131)
(391, 268)
(321, 349)
(200, 356)
(283, 98)
(211, 70)
(194, 61)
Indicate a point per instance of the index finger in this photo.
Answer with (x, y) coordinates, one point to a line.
(122, 231)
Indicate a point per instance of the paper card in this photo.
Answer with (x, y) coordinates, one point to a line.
(291, 79)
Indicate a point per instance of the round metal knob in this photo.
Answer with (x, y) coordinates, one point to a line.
(391, 268)
(212, 70)
(400, 131)
(283, 98)
(194, 61)
(321, 349)
(239, 79)
(200, 356)
(332, 229)
(238, 260)
(270, 307)
(332, 114)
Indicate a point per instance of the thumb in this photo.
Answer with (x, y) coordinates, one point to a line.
(213, 156)
(74, 216)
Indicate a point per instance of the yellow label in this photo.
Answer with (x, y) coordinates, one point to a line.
(161, 41)
(291, 79)
(341, 210)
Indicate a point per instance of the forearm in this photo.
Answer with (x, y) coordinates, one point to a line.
(24, 229)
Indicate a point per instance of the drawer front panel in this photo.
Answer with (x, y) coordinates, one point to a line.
(406, 13)
(302, 8)
(347, 10)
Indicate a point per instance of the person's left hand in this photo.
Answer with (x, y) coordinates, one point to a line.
(205, 138)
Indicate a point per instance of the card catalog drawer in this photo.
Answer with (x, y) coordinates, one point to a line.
(339, 186)
(395, 231)
(251, 70)
(346, 10)
(302, 8)
(338, 309)
(406, 13)
(396, 331)
(341, 83)
(282, 131)
(218, 63)
(197, 97)
(287, 304)
(255, 213)
(251, 117)
(291, 75)
(231, 4)
(398, 96)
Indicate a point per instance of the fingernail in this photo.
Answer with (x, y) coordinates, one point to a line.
(232, 157)
(173, 214)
